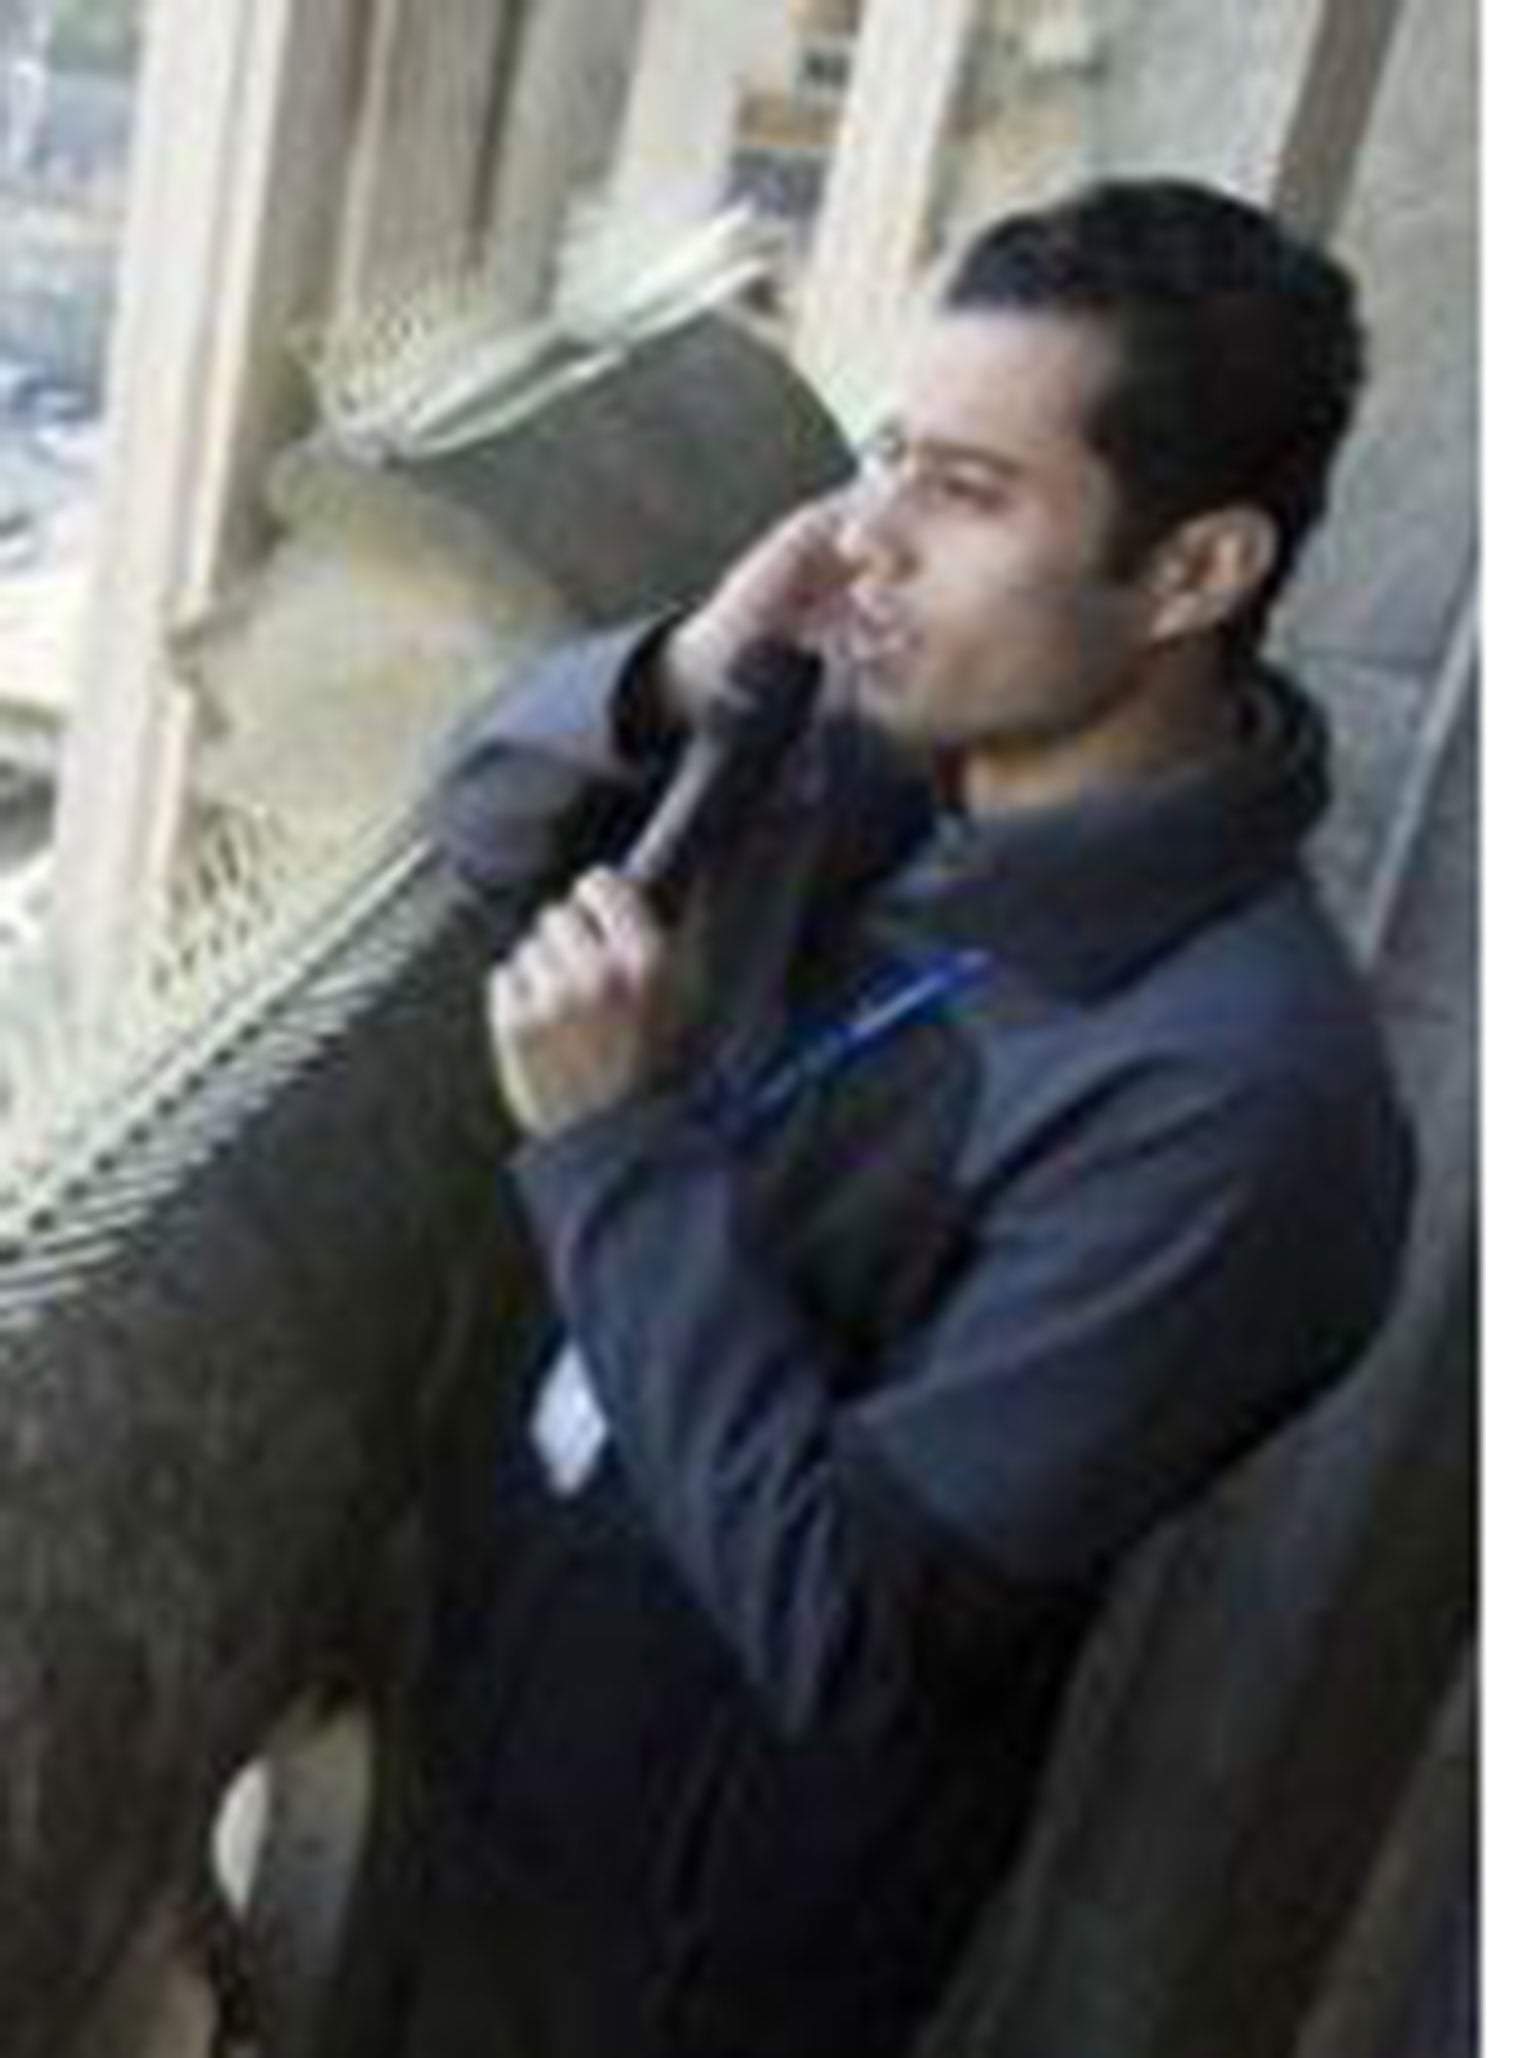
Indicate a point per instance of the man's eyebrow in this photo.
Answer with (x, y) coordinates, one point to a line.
(948, 451)
(945, 449)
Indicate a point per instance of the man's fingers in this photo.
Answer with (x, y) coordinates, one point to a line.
(513, 996)
(599, 942)
(578, 1014)
(568, 952)
(630, 935)
(781, 588)
(799, 565)
(542, 980)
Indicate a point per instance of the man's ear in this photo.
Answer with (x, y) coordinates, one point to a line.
(1207, 569)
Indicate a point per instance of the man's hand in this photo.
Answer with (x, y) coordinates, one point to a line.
(582, 1011)
(784, 588)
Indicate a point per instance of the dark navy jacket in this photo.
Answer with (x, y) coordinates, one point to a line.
(894, 1379)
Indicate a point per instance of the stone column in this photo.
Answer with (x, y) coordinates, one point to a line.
(415, 201)
(564, 110)
(241, 137)
(873, 227)
(673, 160)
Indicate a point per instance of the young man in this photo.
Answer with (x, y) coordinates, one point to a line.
(997, 1146)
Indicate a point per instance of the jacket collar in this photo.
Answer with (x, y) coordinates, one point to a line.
(1080, 897)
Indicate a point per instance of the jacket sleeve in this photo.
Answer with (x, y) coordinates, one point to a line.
(546, 777)
(1126, 1314)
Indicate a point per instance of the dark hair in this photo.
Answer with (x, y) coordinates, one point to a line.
(1240, 352)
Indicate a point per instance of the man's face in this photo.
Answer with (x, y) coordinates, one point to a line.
(982, 616)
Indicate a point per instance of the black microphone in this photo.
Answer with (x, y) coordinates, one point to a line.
(742, 736)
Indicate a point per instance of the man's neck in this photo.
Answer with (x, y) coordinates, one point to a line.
(1185, 715)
